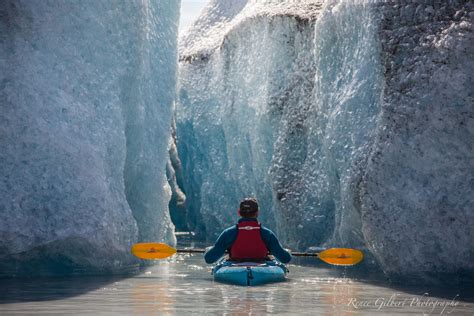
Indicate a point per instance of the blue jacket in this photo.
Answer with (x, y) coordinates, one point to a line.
(228, 236)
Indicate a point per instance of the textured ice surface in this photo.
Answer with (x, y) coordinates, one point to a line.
(351, 121)
(86, 90)
(225, 120)
(177, 204)
(287, 118)
(418, 188)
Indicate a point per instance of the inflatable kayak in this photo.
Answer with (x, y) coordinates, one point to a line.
(249, 273)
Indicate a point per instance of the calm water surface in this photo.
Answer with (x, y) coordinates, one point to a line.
(183, 285)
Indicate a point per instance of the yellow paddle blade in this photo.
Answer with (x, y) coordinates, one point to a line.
(341, 256)
(152, 250)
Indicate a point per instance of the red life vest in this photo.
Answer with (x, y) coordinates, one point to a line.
(249, 243)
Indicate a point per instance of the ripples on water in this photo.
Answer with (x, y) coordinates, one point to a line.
(183, 285)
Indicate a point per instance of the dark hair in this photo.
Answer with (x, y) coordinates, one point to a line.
(248, 207)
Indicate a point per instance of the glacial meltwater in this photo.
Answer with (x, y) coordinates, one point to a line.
(184, 285)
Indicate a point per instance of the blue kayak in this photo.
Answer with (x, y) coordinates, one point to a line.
(249, 273)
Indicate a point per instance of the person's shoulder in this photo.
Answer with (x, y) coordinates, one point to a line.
(266, 231)
(230, 229)
(229, 234)
(263, 227)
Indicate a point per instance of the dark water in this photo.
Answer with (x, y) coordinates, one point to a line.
(183, 285)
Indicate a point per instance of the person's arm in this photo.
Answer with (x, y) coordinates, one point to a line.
(223, 242)
(274, 246)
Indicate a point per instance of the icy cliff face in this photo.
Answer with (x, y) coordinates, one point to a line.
(418, 189)
(229, 109)
(331, 116)
(86, 92)
(292, 117)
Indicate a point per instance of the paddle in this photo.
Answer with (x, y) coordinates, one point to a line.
(334, 256)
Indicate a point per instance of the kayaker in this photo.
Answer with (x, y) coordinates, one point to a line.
(248, 240)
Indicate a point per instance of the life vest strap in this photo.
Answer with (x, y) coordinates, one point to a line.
(248, 227)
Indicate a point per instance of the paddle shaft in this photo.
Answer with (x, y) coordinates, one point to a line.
(304, 254)
(296, 254)
(190, 250)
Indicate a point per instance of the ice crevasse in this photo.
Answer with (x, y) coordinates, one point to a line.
(86, 96)
(352, 122)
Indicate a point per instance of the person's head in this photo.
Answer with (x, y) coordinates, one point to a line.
(248, 208)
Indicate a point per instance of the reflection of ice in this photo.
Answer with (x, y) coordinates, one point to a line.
(152, 298)
(249, 300)
(185, 286)
(195, 267)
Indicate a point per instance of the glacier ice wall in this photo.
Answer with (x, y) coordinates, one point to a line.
(331, 116)
(291, 117)
(231, 105)
(320, 152)
(418, 189)
(86, 95)
(177, 204)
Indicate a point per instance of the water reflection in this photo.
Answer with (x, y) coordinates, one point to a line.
(184, 285)
(150, 297)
